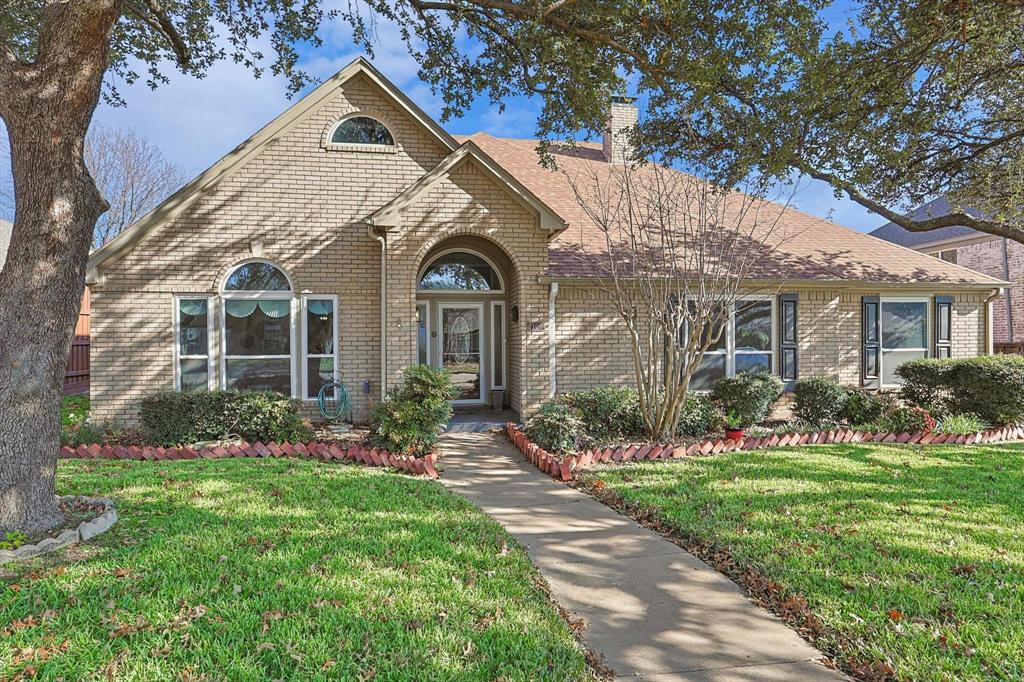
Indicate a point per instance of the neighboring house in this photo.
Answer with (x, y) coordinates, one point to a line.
(76, 375)
(994, 256)
(352, 236)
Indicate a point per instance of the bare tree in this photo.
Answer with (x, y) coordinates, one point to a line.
(131, 173)
(679, 254)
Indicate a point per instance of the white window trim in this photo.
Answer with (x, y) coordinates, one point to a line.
(461, 292)
(210, 344)
(416, 345)
(773, 365)
(504, 345)
(882, 300)
(484, 364)
(729, 332)
(306, 355)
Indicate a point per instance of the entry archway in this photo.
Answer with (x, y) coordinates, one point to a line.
(462, 316)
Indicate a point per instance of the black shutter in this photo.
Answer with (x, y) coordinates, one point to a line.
(943, 326)
(788, 339)
(871, 350)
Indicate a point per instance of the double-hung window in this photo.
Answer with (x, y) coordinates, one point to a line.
(193, 331)
(746, 344)
(903, 327)
(320, 343)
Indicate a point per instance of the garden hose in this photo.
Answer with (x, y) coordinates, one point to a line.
(340, 400)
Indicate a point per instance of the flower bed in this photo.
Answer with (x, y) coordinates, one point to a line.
(374, 457)
(564, 467)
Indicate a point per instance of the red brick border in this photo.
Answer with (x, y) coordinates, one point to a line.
(564, 468)
(418, 466)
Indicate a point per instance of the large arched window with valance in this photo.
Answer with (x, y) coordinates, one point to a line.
(257, 328)
(460, 271)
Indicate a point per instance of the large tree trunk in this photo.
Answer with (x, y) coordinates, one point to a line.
(47, 106)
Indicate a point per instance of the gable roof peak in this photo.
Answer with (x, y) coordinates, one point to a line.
(234, 160)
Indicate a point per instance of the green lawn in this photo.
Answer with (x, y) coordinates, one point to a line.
(913, 558)
(267, 569)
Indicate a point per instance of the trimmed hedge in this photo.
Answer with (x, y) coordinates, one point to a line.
(607, 414)
(866, 407)
(991, 387)
(699, 416)
(173, 418)
(748, 396)
(556, 428)
(819, 400)
(409, 421)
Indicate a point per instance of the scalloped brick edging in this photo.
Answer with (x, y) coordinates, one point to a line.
(418, 466)
(564, 468)
(86, 530)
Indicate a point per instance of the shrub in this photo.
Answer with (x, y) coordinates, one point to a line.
(962, 424)
(83, 433)
(750, 397)
(926, 383)
(699, 416)
(865, 407)
(173, 418)
(556, 428)
(905, 419)
(819, 400)
(412, 416)
(608, 414)
(990, 387)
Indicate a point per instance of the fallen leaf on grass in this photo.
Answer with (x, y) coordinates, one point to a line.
(895, 614)
(964, 569)
(269, 616)
(504, 550)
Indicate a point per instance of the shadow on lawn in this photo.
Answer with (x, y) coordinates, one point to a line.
(281, 569)
(932, 534)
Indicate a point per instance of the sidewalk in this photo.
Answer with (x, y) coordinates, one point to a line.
(654, 611)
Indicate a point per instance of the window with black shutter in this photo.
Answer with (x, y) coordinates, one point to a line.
(870, 354)
(788, 344)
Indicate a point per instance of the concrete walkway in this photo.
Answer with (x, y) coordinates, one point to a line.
(654, 611)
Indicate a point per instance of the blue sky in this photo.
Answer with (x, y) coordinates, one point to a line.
(196, 121)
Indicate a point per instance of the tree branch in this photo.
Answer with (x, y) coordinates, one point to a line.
(158, 20)
(999, 229)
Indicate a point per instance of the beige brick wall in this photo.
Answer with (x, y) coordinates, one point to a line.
(302, 206)
(593, 349)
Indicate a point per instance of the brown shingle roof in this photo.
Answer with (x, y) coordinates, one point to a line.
(807, 248)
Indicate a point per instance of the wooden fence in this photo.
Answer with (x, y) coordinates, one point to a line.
(76, 376)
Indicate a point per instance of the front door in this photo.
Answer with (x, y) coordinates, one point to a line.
(462, 332)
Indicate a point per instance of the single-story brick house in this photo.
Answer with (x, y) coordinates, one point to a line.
(353, 236)
(988, 254)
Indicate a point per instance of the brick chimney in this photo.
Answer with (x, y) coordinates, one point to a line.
(622, 117)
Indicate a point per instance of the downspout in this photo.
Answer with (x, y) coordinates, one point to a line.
(383, 311)
(552, 341)
(989, 340)
(1009, 291)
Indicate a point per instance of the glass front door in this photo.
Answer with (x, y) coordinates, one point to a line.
(461, 344)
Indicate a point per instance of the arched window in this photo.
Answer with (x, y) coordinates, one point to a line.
(257, 276)
(460, 271)
(362, 130)
(257, 328)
